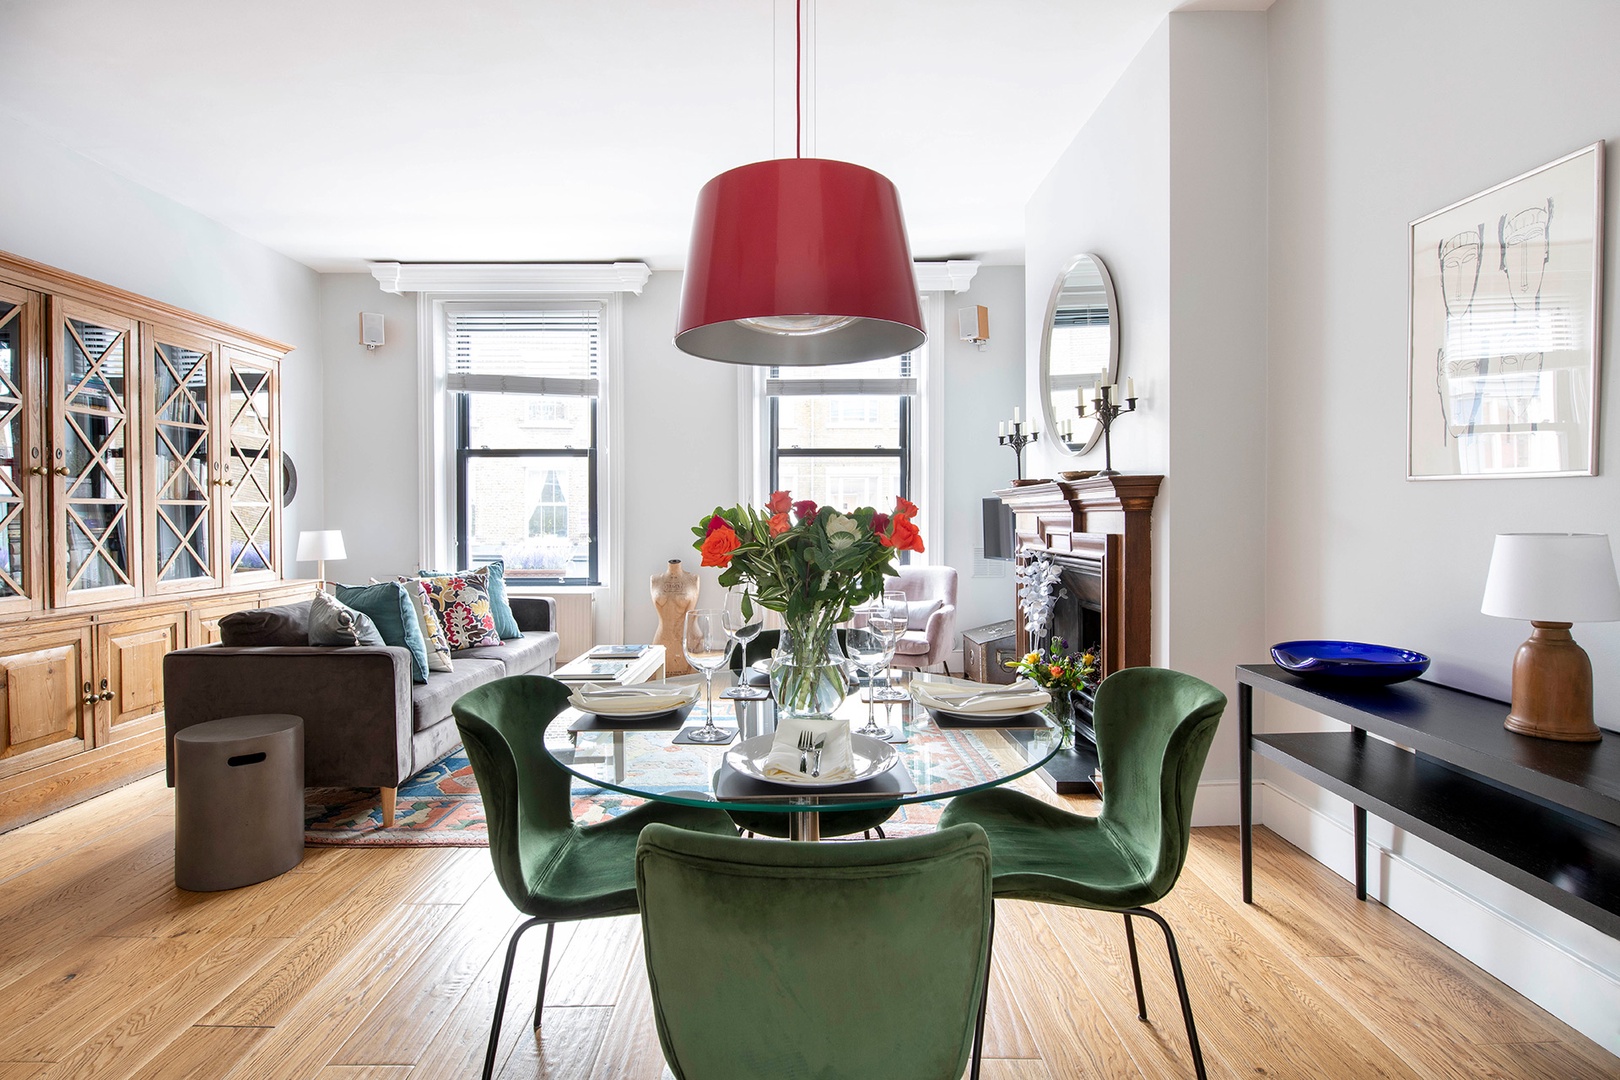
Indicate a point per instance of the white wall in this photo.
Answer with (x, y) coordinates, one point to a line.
(681, 420)
(63, 209)
(1382, 111)
(1166, 182)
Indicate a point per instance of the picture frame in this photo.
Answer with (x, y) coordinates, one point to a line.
(1503, 323)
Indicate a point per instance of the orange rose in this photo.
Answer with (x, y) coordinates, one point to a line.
(779, 523)
(1057, 671)
(904, 507)
(778, 504)
(718, 546)
(903, 535)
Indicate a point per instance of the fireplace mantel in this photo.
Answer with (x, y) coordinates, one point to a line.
(1103, 522)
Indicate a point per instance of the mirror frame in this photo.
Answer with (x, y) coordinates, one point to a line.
(1110, 374)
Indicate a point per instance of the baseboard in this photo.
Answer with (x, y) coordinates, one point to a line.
(1566, 967)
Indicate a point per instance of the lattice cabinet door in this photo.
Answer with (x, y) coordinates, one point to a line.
(184, 485)
(22, 456)
(251, 541)
(94, 461)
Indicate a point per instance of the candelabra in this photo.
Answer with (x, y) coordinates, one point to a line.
(1018, 438)
(1105, 412)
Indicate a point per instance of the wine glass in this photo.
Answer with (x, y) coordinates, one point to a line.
(868, 649)
(743, 628)
(706, 645)
(893, 606)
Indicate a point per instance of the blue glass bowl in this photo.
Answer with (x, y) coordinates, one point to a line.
(1349, 660)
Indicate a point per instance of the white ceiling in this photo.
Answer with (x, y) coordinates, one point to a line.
(339, 131)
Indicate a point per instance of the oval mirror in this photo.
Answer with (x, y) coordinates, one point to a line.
(1079, 348)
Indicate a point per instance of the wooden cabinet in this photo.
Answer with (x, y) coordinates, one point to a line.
(140, 503)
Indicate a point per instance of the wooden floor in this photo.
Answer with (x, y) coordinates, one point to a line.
(382, 963)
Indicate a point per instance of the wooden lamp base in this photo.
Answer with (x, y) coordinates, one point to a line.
(1552, 687)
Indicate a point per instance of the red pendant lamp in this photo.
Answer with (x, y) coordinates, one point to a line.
(799, 261)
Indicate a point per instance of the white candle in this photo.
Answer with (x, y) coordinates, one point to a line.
(1002, 432)
(1015, 416)
(1096, 389)
(1080, 398)
(1130, 388)
(1113, 393)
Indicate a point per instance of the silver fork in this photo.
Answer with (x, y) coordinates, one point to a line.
(806, 744)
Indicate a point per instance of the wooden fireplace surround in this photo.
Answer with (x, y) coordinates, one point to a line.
(1102, 523)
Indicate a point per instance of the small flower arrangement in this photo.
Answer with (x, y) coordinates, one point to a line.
(802, 559)
(1059, 669)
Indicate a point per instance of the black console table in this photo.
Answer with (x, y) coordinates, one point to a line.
(1541, 815)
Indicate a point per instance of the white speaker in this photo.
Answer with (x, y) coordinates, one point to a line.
(974, 323)
(371, 329)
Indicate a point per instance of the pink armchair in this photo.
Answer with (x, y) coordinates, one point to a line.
(931, 591)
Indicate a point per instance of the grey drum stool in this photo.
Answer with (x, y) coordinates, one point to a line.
(238, 801)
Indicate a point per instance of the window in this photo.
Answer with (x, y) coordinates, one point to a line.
(842, 435)
(525, 381)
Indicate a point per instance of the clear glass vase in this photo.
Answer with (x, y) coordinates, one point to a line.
(1061, 710)
(808, 677)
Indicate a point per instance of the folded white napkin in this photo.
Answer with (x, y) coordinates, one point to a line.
(611, 699)
(969, 698)
(837, 759)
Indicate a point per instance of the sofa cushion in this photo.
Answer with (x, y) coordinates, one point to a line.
(463, 605)
(427, 621)
(285, 625)
(332, 622)
(506, 626)
(431, 701)
(520, 656)
(388, 606)
(912, 643)
(918, 612)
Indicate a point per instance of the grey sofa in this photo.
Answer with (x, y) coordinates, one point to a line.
(365, 723)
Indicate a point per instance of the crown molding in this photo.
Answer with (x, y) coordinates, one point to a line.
(954, 275)
(530, 278)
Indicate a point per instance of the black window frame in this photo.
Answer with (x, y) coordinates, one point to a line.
(465, 454)
(776, 451)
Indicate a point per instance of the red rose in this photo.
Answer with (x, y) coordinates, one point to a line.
(880, 523)
(716, 522)
(805, 509)
(779, 503)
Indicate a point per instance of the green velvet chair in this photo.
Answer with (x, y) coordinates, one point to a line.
(1154, 728)
(766, 823)
(552, 869)
(817, 960)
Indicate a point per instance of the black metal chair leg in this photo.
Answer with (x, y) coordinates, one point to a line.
(1181, 987)
(545, 965)
(984, 997)
(1136, 970)
(500, 997)
(879, 830)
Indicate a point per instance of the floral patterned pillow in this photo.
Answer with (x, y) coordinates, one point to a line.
(462, 603)
(433, 636)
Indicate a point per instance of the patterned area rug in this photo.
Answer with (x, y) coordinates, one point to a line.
(440, 806)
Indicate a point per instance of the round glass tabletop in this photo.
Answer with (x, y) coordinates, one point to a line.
(935, 758)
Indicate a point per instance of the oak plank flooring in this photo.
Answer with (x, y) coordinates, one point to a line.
(382, 964)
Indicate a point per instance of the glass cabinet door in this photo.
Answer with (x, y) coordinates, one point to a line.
(21, 466)
(92, 462)
(252, 472)
(180, 485)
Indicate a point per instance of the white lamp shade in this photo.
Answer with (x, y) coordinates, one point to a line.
(323, 544)
(1552, 577)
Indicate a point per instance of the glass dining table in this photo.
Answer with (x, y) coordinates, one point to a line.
(934, 758)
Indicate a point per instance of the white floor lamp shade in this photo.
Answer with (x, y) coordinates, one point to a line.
(320, 545)
(1554, 580)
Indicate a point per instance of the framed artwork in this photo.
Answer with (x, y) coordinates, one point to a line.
(1503, 328)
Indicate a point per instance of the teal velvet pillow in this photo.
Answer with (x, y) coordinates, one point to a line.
(387, 605)
(505, 622)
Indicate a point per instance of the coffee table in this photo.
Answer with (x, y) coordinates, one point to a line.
(935, 762)
(647, 667)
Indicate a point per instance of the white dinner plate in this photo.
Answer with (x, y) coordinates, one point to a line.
(983, 710)
(872, 757)
(631, 702)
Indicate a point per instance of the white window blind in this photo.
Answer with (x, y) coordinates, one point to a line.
(525, 349)
(889, 377)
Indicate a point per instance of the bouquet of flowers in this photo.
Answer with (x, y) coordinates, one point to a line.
(813, 564)
(1058, 669)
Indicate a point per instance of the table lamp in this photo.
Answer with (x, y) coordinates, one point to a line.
(320, 545)
(1554, 580)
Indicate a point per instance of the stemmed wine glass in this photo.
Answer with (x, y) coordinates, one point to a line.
(743, 628)
(706, 645)
(868, 649)
(893, 609)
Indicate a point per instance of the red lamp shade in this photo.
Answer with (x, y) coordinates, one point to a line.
(799, 261)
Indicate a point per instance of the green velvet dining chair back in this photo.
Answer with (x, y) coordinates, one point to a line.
(551, 868)
(802, 960)
(1154, 729)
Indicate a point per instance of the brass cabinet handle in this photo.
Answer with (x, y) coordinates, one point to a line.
(61, 470)
(106, 694)
(90, 696)
(38, 470)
